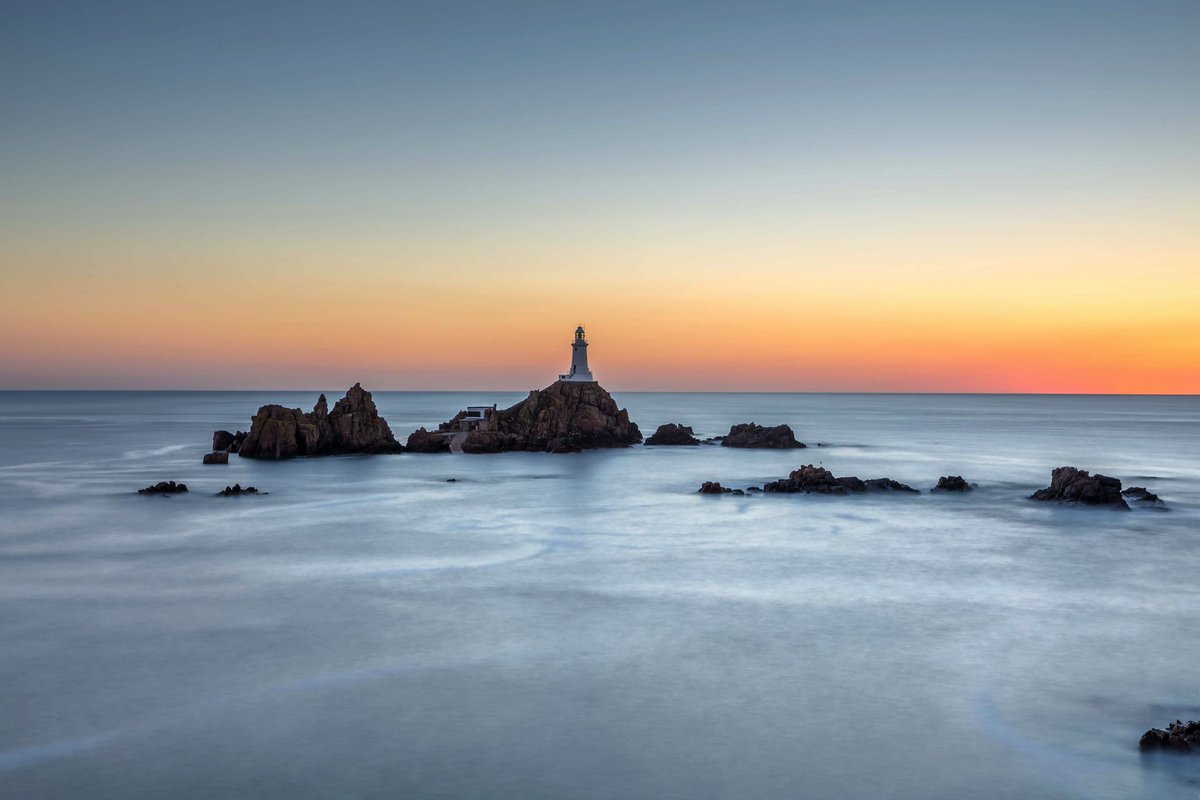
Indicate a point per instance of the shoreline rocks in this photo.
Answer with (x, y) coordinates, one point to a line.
(353, 426)
(713, 487)
(164, 488)
(1073, 485)
(751, 435)
(1179, 736)
(673, 434)
(565, 417)
(423, 441)
(952, 483)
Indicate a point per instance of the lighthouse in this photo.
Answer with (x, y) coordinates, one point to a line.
(579, 366)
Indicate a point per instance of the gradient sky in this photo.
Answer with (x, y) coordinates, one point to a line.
(901, 196)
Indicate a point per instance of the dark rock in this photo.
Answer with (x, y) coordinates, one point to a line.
(231, 442)
(952, 483)
(423, 441)
(753, 488)
(712, 487)
(1071, 485)
(451, 480)
(165, 487)
(888, 485)
(673, 434)
(1145, 498)
(1180, 736)
(237, 490)
(217, 457)
(808, 480)
(353, 426)
(751, 435)
(565, 417)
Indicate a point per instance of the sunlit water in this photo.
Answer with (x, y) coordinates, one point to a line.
(586, 625)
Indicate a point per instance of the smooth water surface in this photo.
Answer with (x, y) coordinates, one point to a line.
(586, 625)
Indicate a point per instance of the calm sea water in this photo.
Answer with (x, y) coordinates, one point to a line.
(586, 626)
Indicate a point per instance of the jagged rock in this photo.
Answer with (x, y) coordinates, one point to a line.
(164, 487)
(224, 440)
(751, 435)
(565, 417)
(237, 490)
(217, 457)
(353, 426)
(712, 487)
(673, 434)
(422, 441)
(1145, 498)
(1180, 736)
(952, 483)
(1071, 485)
(818, 480)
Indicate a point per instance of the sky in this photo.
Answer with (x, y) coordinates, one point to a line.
(752, 196)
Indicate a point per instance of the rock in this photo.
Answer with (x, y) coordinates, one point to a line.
(1071, 485)
(165, 487)
(423, 441)
(952, 483)
(751, 435)
(1145, 498)
(1180, 736)
(451, 480)
(224, 440)
(565, 417)
(217, 457)
(712, 487)
(237, 490)
(353, 426)
(673, 434)
(818, 480)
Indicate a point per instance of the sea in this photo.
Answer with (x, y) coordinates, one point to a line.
(587, 625)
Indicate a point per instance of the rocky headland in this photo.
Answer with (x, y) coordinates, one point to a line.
(566, 416)
(673, 434)
(352, 426)
(750, 435)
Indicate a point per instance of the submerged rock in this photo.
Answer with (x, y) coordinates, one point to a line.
(1144, 498)
(748, 434)
(952, 483)
(1180, 736)
(237, 490)
(164, 487)
(1072, 485)
(423, 441)
(565, 417)
(810, 479)
(353, 426)
(673, 434)
(217, 457)
(712, 487)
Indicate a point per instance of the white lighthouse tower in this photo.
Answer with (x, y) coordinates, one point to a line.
(579, 366)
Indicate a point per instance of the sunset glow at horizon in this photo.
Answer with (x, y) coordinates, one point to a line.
(761, 198)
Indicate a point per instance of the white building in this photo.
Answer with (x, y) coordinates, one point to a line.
(579, 366)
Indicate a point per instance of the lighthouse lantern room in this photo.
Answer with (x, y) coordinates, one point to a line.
(579, 364)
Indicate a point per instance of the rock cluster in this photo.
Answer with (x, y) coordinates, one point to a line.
(1071, 485)
(565, 417)
(810, 479)
(237, 490)
(673, 434)
(952, 483)
(1181, 736)
(712, 487)
(748, 434)
(353, 426)
(164, 487)
(423, 441)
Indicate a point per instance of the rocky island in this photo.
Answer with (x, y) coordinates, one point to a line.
(673, 434)
(751, 435)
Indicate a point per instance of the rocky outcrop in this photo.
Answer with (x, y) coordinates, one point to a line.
(423, 441)
(164, 488)
(1071, 485)
(217, 457)
(565, 417)
(810, 479)
(748, 434)
(1144, 498)
(673, 434)
(237, 490)
(230, 442)
(952, 483)
(353, 426)
(1180, 736)
(712, 487)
